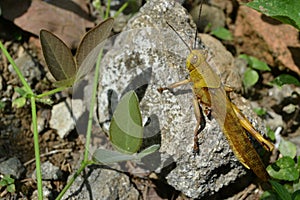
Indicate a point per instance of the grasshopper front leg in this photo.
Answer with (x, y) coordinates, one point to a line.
(174, 85)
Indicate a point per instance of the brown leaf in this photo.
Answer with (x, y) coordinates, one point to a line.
(267, 39)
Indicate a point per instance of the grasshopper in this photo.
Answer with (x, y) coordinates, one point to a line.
(211, 96)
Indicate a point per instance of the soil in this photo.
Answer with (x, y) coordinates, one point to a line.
(16, 137)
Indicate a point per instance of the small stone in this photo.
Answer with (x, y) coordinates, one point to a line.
(49, 172)
(289, 109)
(28, 67)
(12, 166)
(62, 118)
(274, 120)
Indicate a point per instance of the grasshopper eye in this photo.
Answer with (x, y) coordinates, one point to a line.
(194, 59)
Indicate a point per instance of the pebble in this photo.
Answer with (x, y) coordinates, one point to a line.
(12, 166)
(62, 118)
(49, 172)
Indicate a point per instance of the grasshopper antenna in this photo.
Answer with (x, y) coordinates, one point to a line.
(179, 36)
(199, 15)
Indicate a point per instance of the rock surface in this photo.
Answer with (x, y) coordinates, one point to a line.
(145, 59)
(62, 117)
(28, 67)
(49, 172)
(12, 166)
(104, 184)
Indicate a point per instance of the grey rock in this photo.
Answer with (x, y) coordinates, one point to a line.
(12, 166)
(210, 15)
(149, 58)
(49, 172)
(28, 67)
(62, 117)
(274, 120)
(280, 93)
(104, 184)
(47, 193)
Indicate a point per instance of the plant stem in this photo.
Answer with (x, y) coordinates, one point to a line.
(50, 92)
(70, 182)
(121, 9)
(107, 9)
(18, 72)
(34, 121)
(86, 160)
(92, 106)
(36, 149)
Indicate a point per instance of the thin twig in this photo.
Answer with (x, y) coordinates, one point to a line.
(48, 154)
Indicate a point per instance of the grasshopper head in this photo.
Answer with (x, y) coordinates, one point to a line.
(195, 58)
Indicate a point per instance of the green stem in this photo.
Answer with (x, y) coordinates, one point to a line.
(18, 72)
(92, 106)
(71, 181)
(86, 160)
(107, 10)
(50, 92)
(36, 149)
(34, 121)
(121, 9)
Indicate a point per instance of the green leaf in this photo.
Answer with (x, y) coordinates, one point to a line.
(11, 188)
(296, 195)
(222, 33)
(45, 101)
(9, 179)
(3, 183)
(296, 186)
(245, 57)
(257, 64)
(21, 91)
(287, 148)
(148, 151)
(2, 105)
(270, 133)
(281, 191)
(104, 156)
(260, 111)
(285, 162)
(126, 130)
(250, 78)
(269, 195)
(284, 169)
(19, 102)
(285, 79)
(6, 180)
(298, 164)
(286, 11)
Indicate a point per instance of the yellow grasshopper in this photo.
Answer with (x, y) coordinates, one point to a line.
(211, 95)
